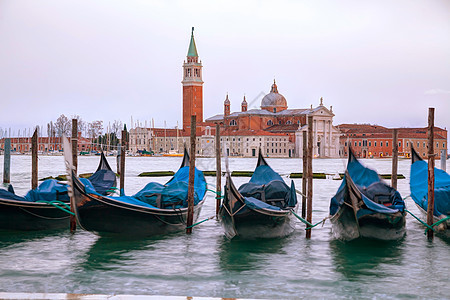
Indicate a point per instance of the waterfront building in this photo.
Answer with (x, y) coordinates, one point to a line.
(45, 144)
(273, 128)
(374, 141)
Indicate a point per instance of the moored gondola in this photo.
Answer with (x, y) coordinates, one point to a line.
(47, 206)
(419, 192)
(261, 208)
(156, 209)
(365, 206)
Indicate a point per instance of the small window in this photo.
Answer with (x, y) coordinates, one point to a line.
(233, 123)
(375, 144)
(269, 123)
(279, 122)
(288, 122)
(381, 144)
(274, 109)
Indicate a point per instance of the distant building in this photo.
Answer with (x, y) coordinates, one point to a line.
(273, 128)
(369, 141)
(45, 144)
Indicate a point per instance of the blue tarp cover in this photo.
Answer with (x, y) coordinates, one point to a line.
(419, 188)
(103, 180)
(48, 190)
(372, 188)
(171, 195)
(265, 185)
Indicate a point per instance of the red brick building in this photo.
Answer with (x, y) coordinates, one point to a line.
(370, 141)
(45, 144)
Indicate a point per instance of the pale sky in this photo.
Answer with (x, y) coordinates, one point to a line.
(377, 62)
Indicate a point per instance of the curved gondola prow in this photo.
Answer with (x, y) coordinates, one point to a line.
(103, 165)
(351, 155)
(232, 194)
(415, 156)
(261, 160)
(185, 162)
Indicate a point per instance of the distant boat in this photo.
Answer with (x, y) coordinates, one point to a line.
(46, 207)
(173, 153)
(365, 206)
(419, 191)
(261, 208)
(156, 209)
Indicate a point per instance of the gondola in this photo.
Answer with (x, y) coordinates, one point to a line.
(419, 192)
(47, 206)
(261, 208)
(365, 206)
(155, 210)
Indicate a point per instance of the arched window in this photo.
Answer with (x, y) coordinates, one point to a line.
(233, 123)
(279, 122)
(269, 123)
(288, 122)
(274, 109)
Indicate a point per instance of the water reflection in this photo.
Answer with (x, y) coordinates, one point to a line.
(109, 253)
(363, 257)
(8, 238)
(239, 255)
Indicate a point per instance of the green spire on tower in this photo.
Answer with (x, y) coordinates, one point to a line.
(192, 48)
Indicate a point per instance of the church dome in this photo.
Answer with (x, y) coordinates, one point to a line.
(274, 101)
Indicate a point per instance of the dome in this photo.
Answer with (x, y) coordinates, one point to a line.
(274, 100)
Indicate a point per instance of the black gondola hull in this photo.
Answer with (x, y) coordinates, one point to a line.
(106, 216)
(255, 224)
(353, 219)
(238, 219)
(374, 226)
(30, 216)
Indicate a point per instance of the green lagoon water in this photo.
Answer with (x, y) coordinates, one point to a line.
(207, 264)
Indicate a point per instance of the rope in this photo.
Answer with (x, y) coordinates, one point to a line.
(218, 195)
(57, 204)
(423, 223)
(207, 219)
(300, 193)
(440, 221)
(310, 226)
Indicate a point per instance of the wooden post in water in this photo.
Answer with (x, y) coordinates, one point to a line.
(430, 209)
(305, 172)
(7, 161)
(394, 158)
(218, 170)
(34, 160)
(74, 140)
(123, 148)
(310, 175)
(190, 216)
(444, 160)
(75, 144)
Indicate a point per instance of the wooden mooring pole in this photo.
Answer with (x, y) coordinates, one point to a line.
(218, 170)
(394, 158)
(305, 172)
(73, 220)
(75, 145)
(7, 161)
(310, 175)
(444, 160)
(123, 148)
(190, 216)
(34, 160)
(430, 208)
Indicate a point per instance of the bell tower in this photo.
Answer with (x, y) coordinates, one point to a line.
(192, 86)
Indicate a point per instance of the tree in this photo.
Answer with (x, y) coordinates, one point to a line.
(81, 124)
(95, 129)
(63, 126)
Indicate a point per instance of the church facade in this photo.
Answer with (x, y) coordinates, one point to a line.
(273, 128)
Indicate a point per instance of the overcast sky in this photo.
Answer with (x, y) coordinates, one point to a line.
(378, 62)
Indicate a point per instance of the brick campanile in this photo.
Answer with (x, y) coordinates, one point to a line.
(192, 86)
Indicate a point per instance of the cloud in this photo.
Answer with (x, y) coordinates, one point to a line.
(436, 92)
